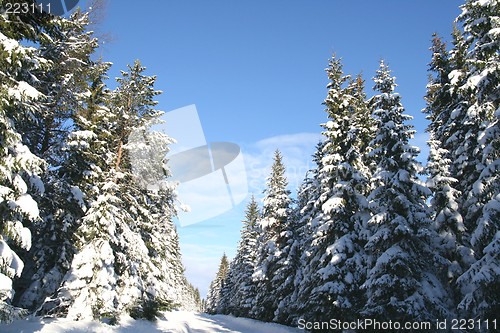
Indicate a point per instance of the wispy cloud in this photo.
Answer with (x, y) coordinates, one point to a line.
(297, 150)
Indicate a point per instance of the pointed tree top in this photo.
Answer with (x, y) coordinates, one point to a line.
(251, 213)
(384, 82)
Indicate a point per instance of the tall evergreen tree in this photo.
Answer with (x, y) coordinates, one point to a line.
(214, 292)
(401, 283)
(335, 266)
(108, 275)
(481, 185)
(240, 290)
(20, 169)
(448, 220)
(82, 172)
(67, 150)
(304, 213)
(462, 100)
(276, 237)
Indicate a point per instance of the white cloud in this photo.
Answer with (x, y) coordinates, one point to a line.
(297, 150)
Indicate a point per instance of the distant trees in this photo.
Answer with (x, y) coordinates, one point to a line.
(240, 290)
(366, 238)
(214, 297)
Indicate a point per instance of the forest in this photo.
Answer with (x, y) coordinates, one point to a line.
(372, 233)
(87, 206)
(82, 232)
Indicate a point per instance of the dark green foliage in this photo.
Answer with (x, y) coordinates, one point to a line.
(150, 309)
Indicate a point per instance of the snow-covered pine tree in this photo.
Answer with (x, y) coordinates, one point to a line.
(68, 46)
(214, 292)
(439, 96)
(240, 291)
(462, 101)
(225, 294)
(127, 257)
(20, 169)
(149, 196)
(66, 140)
(478, 155)
(289, 264)
(330, 287)
(272, 269)
(448, 221)
(401, 283)
(291, 308)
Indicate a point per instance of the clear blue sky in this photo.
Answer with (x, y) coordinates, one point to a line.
(255, 70)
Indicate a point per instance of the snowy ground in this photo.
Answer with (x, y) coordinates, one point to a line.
(174, 322)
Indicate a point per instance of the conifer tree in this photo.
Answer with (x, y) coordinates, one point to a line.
(240, 289)
(292, 306)
(108, 274)
(448, 221)
(20, 169)
(82, 172)
(439, 97)
(276, 237)
(70, 151)
(214, 292)
(335, 266)
(462, 101)
(401, 283)
(480, 149)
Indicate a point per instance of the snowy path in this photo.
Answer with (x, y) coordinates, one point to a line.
(174, 322)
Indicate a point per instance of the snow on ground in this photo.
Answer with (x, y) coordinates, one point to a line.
(173, 322)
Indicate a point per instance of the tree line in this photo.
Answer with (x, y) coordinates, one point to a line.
(366, 237)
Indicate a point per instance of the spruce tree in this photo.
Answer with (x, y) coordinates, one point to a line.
(448, 220)
(330, 287)
(70, 151)
(401, 283)
(462, 105)
(20, 169)
(303, 213)
(480, 182)
(214, 292)
(129, 208)
(272, 271)
(241, 290)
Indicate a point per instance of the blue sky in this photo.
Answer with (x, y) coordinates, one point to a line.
(255, 71)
